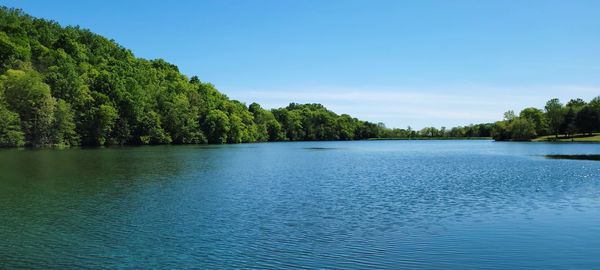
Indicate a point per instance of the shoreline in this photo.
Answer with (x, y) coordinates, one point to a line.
(61, 147)
(432, 139)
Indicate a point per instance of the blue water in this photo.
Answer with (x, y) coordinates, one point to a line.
(313, 205)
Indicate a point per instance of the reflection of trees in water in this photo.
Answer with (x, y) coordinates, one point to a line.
(82, 171)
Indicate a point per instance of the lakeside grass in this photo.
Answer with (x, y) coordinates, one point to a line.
(431, 138)
(595, 138)
(563, 138)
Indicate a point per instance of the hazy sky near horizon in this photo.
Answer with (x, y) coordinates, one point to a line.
(418, 63)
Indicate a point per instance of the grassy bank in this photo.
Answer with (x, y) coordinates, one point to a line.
(563, 138)
(433, 138)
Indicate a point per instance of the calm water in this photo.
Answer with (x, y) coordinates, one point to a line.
(331, 205)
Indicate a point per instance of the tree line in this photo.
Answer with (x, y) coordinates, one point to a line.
(469, 131)
(575, 117)
(68, 86)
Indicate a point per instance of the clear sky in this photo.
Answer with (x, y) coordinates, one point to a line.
(418, 63)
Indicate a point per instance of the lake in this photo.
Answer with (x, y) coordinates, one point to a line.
(313, 205)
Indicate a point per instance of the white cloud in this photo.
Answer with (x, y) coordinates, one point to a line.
(419, 107)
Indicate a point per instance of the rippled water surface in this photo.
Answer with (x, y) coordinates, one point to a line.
(331, 205)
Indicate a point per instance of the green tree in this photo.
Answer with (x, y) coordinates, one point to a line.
(106, 117)
(501, 131)
(555, 115)
(237, 130)
(521, 129)
(366, 130)
(276, 132)
(64, 126)
(576, 104)
(588, 120)
(568, 123)
(27, 95)
(181, 120)
(216, 126)
(509, 115)
(291, 123)
(535, 116)
(345, 126)
(152, 130)
(10, 128)
(12, 50)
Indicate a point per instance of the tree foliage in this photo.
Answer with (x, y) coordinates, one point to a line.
(69, 86)
(576, 116)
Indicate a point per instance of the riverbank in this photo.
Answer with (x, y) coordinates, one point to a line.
(431, 138)
(563, 138)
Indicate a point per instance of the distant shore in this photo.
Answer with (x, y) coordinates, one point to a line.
(594, 138)
(430, 138)
(564, 138)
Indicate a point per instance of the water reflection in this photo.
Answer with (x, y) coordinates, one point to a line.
(433, 204)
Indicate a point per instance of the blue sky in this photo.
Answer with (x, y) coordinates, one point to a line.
(418, 63)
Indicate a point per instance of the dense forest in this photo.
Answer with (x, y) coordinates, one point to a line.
(66, 86)
(575, 117)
